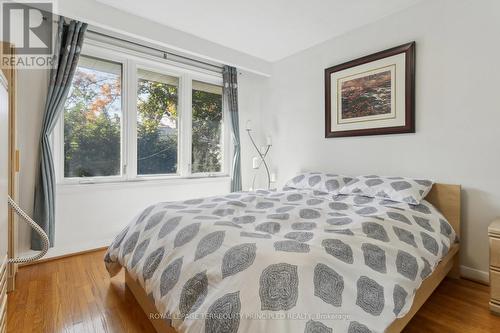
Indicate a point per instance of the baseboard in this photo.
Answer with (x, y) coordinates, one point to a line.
(474, 275)
(62, 251)
(39, 261)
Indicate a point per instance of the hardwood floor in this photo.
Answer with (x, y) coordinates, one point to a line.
(75, 294)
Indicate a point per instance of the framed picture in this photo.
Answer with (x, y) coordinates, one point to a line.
(372, 95)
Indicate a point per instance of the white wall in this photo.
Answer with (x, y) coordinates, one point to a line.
(31, 92)
(457, 113)
(90, 216)
(252, 90)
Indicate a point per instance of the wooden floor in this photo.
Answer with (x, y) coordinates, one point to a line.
(75, 294)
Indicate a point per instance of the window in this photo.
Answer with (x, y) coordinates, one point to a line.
(92, 120)
(157, 123)
(131, 117)
(207, 127)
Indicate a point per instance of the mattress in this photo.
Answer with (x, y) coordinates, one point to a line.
(282, 261)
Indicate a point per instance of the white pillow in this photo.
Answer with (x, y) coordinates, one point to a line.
(318, 181)
(400, 189)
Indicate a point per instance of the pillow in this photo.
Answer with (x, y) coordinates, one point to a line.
(318, 181)
(400, 189)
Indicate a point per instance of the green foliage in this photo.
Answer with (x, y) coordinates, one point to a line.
(91, 133)
(207, 120)
(155, 101)
(156, 143)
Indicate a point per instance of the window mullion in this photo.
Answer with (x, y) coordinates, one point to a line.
(185, 126)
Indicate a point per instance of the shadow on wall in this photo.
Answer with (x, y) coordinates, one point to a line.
(478, 210)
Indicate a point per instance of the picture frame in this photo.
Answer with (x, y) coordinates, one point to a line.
(372, 95)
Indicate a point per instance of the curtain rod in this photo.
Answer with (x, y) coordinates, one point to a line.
(165, 53)
(188, 60)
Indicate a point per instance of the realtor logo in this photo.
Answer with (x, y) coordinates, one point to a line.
(28, 26)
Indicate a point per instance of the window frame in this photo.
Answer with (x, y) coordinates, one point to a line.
(225, 133)
(151, 67)
(131, 61)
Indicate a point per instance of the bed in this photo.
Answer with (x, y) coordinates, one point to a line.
(198, 278)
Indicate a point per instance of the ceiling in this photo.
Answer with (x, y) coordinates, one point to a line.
(267, 29)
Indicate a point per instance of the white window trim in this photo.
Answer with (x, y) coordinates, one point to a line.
(131, 61)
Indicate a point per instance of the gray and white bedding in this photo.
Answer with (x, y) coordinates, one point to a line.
(296, 260)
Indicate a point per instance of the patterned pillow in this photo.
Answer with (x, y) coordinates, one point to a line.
(318, 181)
(400, 189)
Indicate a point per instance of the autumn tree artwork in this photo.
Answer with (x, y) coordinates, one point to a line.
(372, 95)
(366, 96)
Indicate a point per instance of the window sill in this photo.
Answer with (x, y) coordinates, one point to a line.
(140, 182)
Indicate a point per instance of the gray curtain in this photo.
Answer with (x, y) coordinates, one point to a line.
(67, 49)
(230, 87)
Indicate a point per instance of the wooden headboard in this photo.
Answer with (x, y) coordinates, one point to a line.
(447, 199)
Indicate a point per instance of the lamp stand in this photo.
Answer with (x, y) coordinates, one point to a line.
(262, 156)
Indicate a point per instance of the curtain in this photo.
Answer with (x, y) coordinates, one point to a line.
(230, 88)
(67, 49)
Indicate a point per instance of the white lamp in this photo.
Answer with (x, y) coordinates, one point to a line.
(261, 159)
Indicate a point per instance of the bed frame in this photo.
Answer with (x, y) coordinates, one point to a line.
(446, 198)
